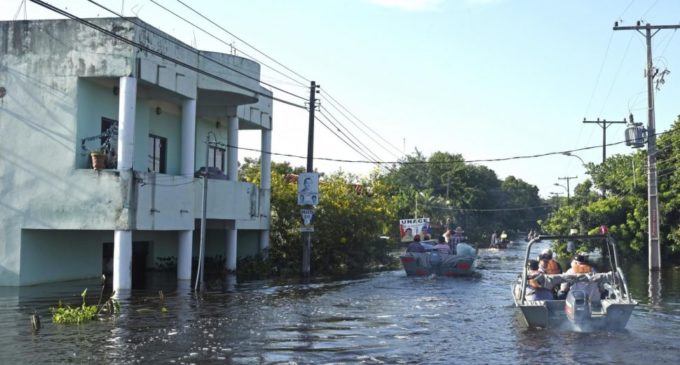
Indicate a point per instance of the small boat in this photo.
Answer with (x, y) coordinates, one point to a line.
(433, 262)
(594, 301)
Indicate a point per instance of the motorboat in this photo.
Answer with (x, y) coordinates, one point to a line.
(430, 262)
(594, 300)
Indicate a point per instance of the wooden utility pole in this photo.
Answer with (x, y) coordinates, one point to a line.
(652, 188)
(307, 244)
(568, 188)
(604, 124)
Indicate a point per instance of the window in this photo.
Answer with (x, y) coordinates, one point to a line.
(216, 157)
(157, 151)
(109, 141)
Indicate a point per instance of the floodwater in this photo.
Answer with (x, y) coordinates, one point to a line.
(383, 318)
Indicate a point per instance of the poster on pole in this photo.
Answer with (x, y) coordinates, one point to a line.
(308, 188)
(408, 228)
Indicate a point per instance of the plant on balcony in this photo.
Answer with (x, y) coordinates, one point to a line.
(103, 155)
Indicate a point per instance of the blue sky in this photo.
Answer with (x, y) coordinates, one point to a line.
(483, 78)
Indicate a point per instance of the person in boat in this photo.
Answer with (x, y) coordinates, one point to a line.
(458, 235)
(494, 239)
(448, 236)
(415, 246)
(547, 264)
(442, 247)
(535, 289)
(579, 265)
(504, 237)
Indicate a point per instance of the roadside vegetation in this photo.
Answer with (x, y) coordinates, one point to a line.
(623, 178)
(357, 220)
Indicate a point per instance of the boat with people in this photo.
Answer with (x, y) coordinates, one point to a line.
(586, 300)
(432, 261)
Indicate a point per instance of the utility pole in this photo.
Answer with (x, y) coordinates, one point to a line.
(652, 188)
(604, 124)
(568, 189)
(307, 244)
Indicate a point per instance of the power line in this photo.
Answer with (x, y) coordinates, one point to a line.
(330, 97)
(159, 54)
(193, 50)
(345, 142)
(354, 138)
(241, 40)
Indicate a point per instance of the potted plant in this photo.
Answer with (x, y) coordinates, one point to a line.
(98, 157)
(102, 155)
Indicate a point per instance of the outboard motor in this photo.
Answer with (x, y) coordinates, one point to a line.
(577, 306)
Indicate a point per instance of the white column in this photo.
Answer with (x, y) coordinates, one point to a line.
(265, 184)
(122, 239)
(185, 244)
(184, 252)
(122, 260)
(232, 159)
(126, 122)
(231, 249)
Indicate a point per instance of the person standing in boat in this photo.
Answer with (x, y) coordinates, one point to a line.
(494, 239)
(458, 235)
(415, 246)
(547, 264)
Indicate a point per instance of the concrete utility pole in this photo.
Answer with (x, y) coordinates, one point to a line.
(604, 124)
(652, 188)
(568, 188)
(307, 244)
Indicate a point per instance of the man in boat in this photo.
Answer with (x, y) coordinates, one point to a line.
(415, 246)
(579, 265)
(494, 239)
(535, 289)
(442, 247)
(547, 264)
(458, 236)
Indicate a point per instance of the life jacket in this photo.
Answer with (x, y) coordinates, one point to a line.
(581, 268)
(533, 276)
(551, 267)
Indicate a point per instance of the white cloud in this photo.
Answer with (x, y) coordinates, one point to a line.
(411, 5)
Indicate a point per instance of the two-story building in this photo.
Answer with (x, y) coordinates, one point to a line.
(151, 102)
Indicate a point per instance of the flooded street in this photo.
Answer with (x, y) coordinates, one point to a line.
(383, 318)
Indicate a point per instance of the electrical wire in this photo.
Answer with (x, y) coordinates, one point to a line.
(193, 50)
(346, 142)
(332, 99)
(353, 138)
(160, 54)
(244, 42)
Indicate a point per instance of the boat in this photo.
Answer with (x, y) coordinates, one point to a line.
(595, 301)
(432, 262)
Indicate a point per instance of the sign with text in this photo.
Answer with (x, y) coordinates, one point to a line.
(408, 228)
(308, 188)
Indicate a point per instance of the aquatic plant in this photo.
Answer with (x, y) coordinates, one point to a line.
(84, 313)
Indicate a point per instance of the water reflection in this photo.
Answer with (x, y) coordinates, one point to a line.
(655, 290)
(384, 318)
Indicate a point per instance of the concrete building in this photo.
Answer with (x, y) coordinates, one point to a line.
(151, 102)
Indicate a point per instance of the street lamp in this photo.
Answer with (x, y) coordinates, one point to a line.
(565, 188)
(577, 156)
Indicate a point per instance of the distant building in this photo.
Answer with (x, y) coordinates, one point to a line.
(65, 83)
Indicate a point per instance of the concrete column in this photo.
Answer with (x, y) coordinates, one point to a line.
(122, 239)
(184, 253)
(232, 159)
(231, 249)
(265, 185)
(127, 100)
(122, 260)
(264, 242)
(188, 138)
